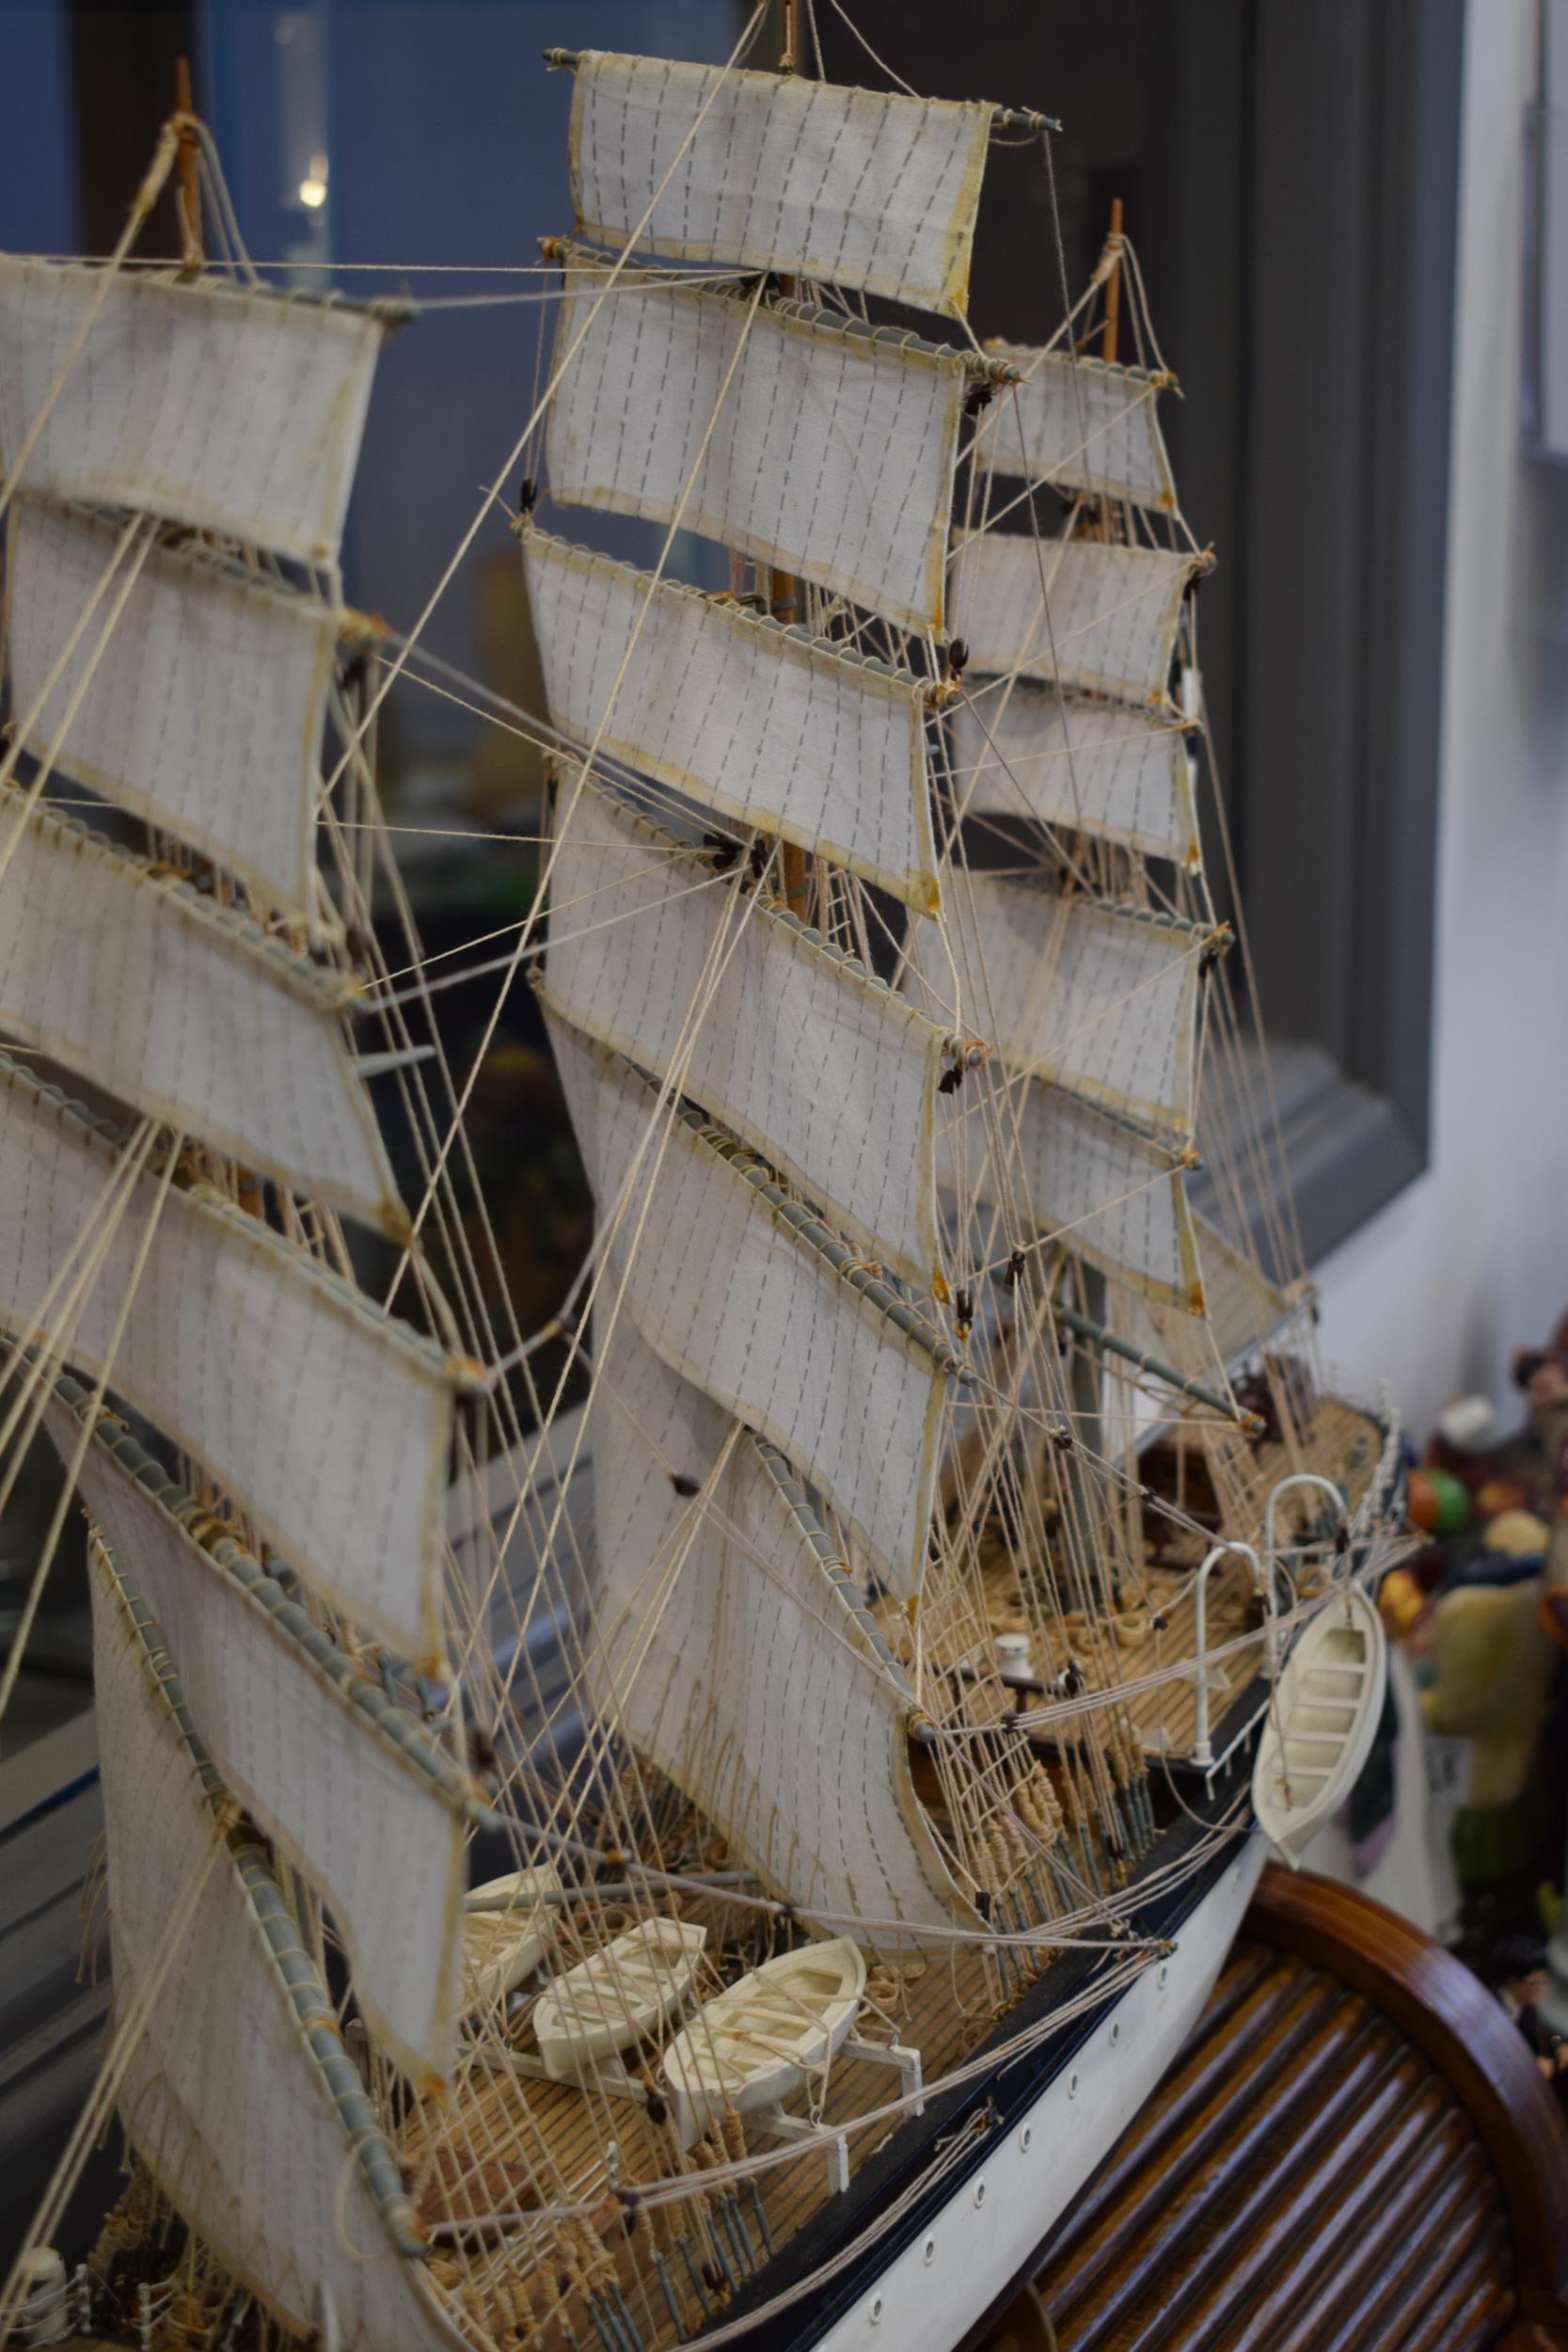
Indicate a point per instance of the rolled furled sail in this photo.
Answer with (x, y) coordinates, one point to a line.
(1101, 997)
(233, 408)
(1106, 620)
(831, 447)
(132, 978)
(1115, 1194)
(349, 1786)
(1027, 750)
(1080, 424)
(719, 1280)
(324, 1419)
(856, 187)
(758, 722)
(827, 1072)
(204, 709)
(724, 1649)
(238, 2094)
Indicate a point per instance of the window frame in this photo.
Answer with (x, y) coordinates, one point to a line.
(1350, 256)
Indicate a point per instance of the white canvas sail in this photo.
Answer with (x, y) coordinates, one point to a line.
(1245, 1309)
(733, 1298)
(832, 453)
(1080, 424)
(856, 187)
(726, 1652)
(824, 1069)
(1027, 750)
(133, 979)
(363, 1816)
(204, 709)
(1073, 611)
(1243, 1313)
(1100, 997)
(1113, 1193)
(236, 409)
(324, 1419)
(256, 2133)
(757, 722)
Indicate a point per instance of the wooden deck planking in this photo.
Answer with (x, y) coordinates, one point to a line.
(949, 2003)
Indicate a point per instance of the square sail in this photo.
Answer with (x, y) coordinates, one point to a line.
(1098, 996)
(324, 1419)
(351, 1806)
(1080, 424)
(831, 450)
(1112, 1192)
(825, 1070)
(724, 1649)
(233, 408)
(737, 1302)
(759, 722)
(853, 187)
(237, 2093)
(204, 709)
(1076, 612)
(134, 979)
(1020, 749)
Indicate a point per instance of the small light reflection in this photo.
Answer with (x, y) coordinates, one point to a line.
(313, 188)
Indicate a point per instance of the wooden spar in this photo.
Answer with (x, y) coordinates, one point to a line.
(1002, 118)
(481, 1903)
(1085, 1327)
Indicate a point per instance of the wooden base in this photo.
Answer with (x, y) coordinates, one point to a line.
(1354, 2153)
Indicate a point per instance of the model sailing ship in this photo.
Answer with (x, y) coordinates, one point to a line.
(959, 1490)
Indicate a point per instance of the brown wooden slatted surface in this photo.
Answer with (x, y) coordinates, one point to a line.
(1353, 2154)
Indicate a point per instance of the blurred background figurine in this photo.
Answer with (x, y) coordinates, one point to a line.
(1475, 1612)
(1518, 1975)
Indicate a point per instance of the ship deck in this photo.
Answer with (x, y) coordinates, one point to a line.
(510, 2143)
(945, 2008)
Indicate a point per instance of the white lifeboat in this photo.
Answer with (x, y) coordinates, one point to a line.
(762, 2037)
(508, 1926)
(616, 1997)
(1320, 1726)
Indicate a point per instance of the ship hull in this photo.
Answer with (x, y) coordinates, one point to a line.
(942, 2220)
(994, 2217)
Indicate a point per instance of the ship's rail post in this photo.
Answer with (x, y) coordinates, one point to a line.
(1203, 1750)
(1273, 1552)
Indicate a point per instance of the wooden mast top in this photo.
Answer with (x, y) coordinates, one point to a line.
(1110, 332)
(189, 195)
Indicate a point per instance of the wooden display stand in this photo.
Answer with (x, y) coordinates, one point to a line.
(1356, 2152)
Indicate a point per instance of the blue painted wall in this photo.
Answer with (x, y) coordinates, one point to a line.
(38, 153)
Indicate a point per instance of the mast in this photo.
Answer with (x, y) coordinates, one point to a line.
(190, 163)
(1113, 287)
(784, 592)
(742, 1289)
(195, 703)
(1086, 1368)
